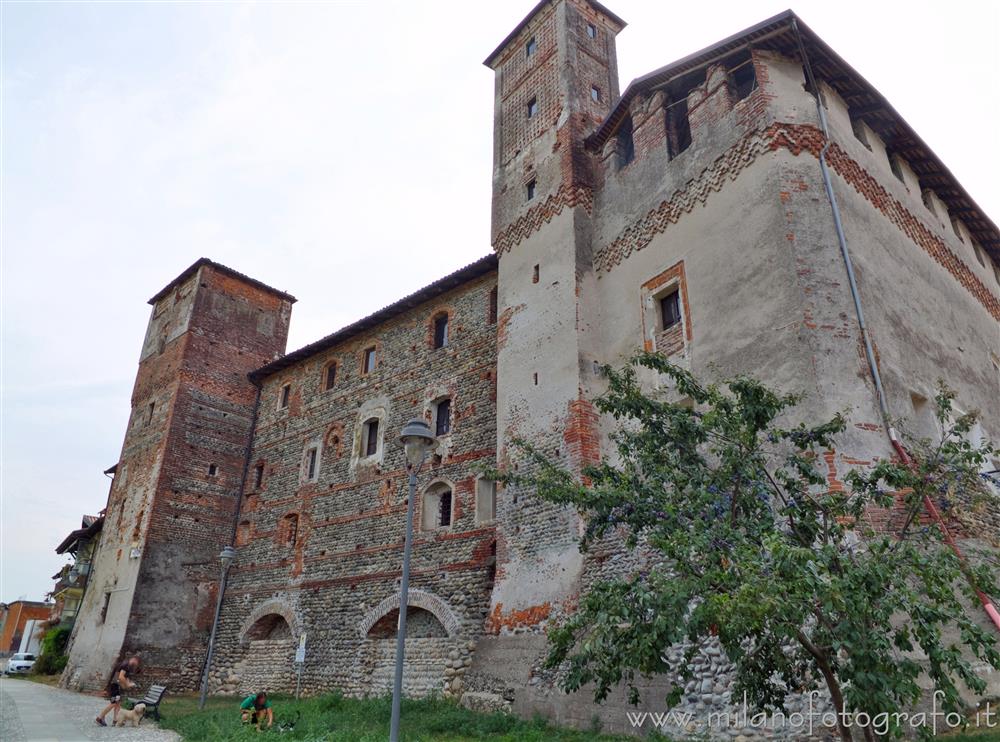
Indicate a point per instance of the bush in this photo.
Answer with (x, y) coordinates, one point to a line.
(52, 659)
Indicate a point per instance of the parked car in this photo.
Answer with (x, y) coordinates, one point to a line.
(20, 663)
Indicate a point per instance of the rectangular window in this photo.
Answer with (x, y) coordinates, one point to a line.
(626, 143)
(371, 438)
(534, 274)
(529, 189)
(258, 476)
(492, 315)
(678, 128)
(311, 466)
(331, 375)
(595, 93)
(444, 509)
(443, 418)
(592, 30)
(531, 47)
(532, 107)
(369, 363)
(286, 393)
(441, 331)
(670, 309)
(212, 470)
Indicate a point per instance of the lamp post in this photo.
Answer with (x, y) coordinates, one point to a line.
(416, 438)
(227, 556)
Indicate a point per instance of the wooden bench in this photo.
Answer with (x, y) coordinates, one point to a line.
(152, 700)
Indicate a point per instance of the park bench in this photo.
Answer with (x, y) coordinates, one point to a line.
(152, 700)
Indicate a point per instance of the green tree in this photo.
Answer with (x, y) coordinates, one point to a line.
(745, 540)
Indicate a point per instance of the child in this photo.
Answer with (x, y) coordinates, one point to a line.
(255, 708)
(121, 677)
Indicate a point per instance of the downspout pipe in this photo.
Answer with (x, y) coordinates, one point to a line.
(988, 605)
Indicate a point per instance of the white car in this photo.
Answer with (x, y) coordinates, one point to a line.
(20, 663)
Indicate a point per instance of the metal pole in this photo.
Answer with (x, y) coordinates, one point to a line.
(298, 679)
(211, 639)
(404, 589)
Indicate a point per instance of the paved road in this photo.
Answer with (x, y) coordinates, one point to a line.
(32, 712)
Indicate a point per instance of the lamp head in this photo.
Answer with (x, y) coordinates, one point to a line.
(227, 556)
(416, 438)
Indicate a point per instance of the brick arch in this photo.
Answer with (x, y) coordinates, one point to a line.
(273, 606)
(417, 599)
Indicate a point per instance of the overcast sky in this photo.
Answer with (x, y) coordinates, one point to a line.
(339, 151)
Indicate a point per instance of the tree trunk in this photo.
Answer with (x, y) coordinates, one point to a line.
(831, 683)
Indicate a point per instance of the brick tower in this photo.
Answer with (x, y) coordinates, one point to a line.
(556, 79)
(171, 505)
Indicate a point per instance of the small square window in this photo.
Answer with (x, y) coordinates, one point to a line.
(286, 393)
(531, 47)
(595, 93)
(532, 107)
(331, 375)
(529, 189)
(369, 362)
(670, 309)
(592, 30)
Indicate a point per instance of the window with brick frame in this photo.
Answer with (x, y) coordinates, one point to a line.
(441, 330)
(670, 309)
(742, 76)
(532, 107)
(258, 476)
(369, 437)
(312, 463)
(284, 396)
(289, 529)
(442, 417)
(437, 507)
(369, 360)
(665, 323)
(678, 128)
(330, 375)
(491, 314)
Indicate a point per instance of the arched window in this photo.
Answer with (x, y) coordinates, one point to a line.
(436, 510)
(270, 627)
(441, 330)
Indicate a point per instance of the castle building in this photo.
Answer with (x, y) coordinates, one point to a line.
(688, 214)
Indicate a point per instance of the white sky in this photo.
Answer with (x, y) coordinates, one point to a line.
(339, 151)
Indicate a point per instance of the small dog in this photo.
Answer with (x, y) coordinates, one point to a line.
(133, 715)
(288, 725)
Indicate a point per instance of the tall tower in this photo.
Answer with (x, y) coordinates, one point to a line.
(556, 79)
(154, 578)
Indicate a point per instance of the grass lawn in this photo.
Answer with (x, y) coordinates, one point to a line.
(337, 719)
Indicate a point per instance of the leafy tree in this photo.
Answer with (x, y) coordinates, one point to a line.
(746, 540)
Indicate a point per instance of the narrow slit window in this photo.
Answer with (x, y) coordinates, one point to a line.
(212, 470)
(331, 376)
(529, 189)
(371, 437)
(678, 128)
(441, 331)
(105, 606)
(369, 362)
(531, 47)
(311, 463)
(258, 476)
(442, 425)
(670, 309)
(534, 274)
(286, 393)
(532, 107)
(492, 315)
(626, 143)
(149, 413)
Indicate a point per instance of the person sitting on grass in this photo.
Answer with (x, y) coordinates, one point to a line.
(254, 708)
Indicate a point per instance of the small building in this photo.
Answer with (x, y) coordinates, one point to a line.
(71, 580)
(20, 625)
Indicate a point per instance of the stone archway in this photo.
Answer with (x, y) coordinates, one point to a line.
(267, 608)
(416, 599)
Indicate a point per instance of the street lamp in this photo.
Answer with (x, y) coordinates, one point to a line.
(227, 556)
(416, 438)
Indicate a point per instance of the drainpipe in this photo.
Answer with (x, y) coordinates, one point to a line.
(991, 610)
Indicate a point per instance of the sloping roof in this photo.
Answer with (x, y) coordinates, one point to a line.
(527, 19)
(864, 101)
(193, 268)
(481, 267)
(89, 530)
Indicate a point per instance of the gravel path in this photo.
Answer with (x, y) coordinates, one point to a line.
(32, 711)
